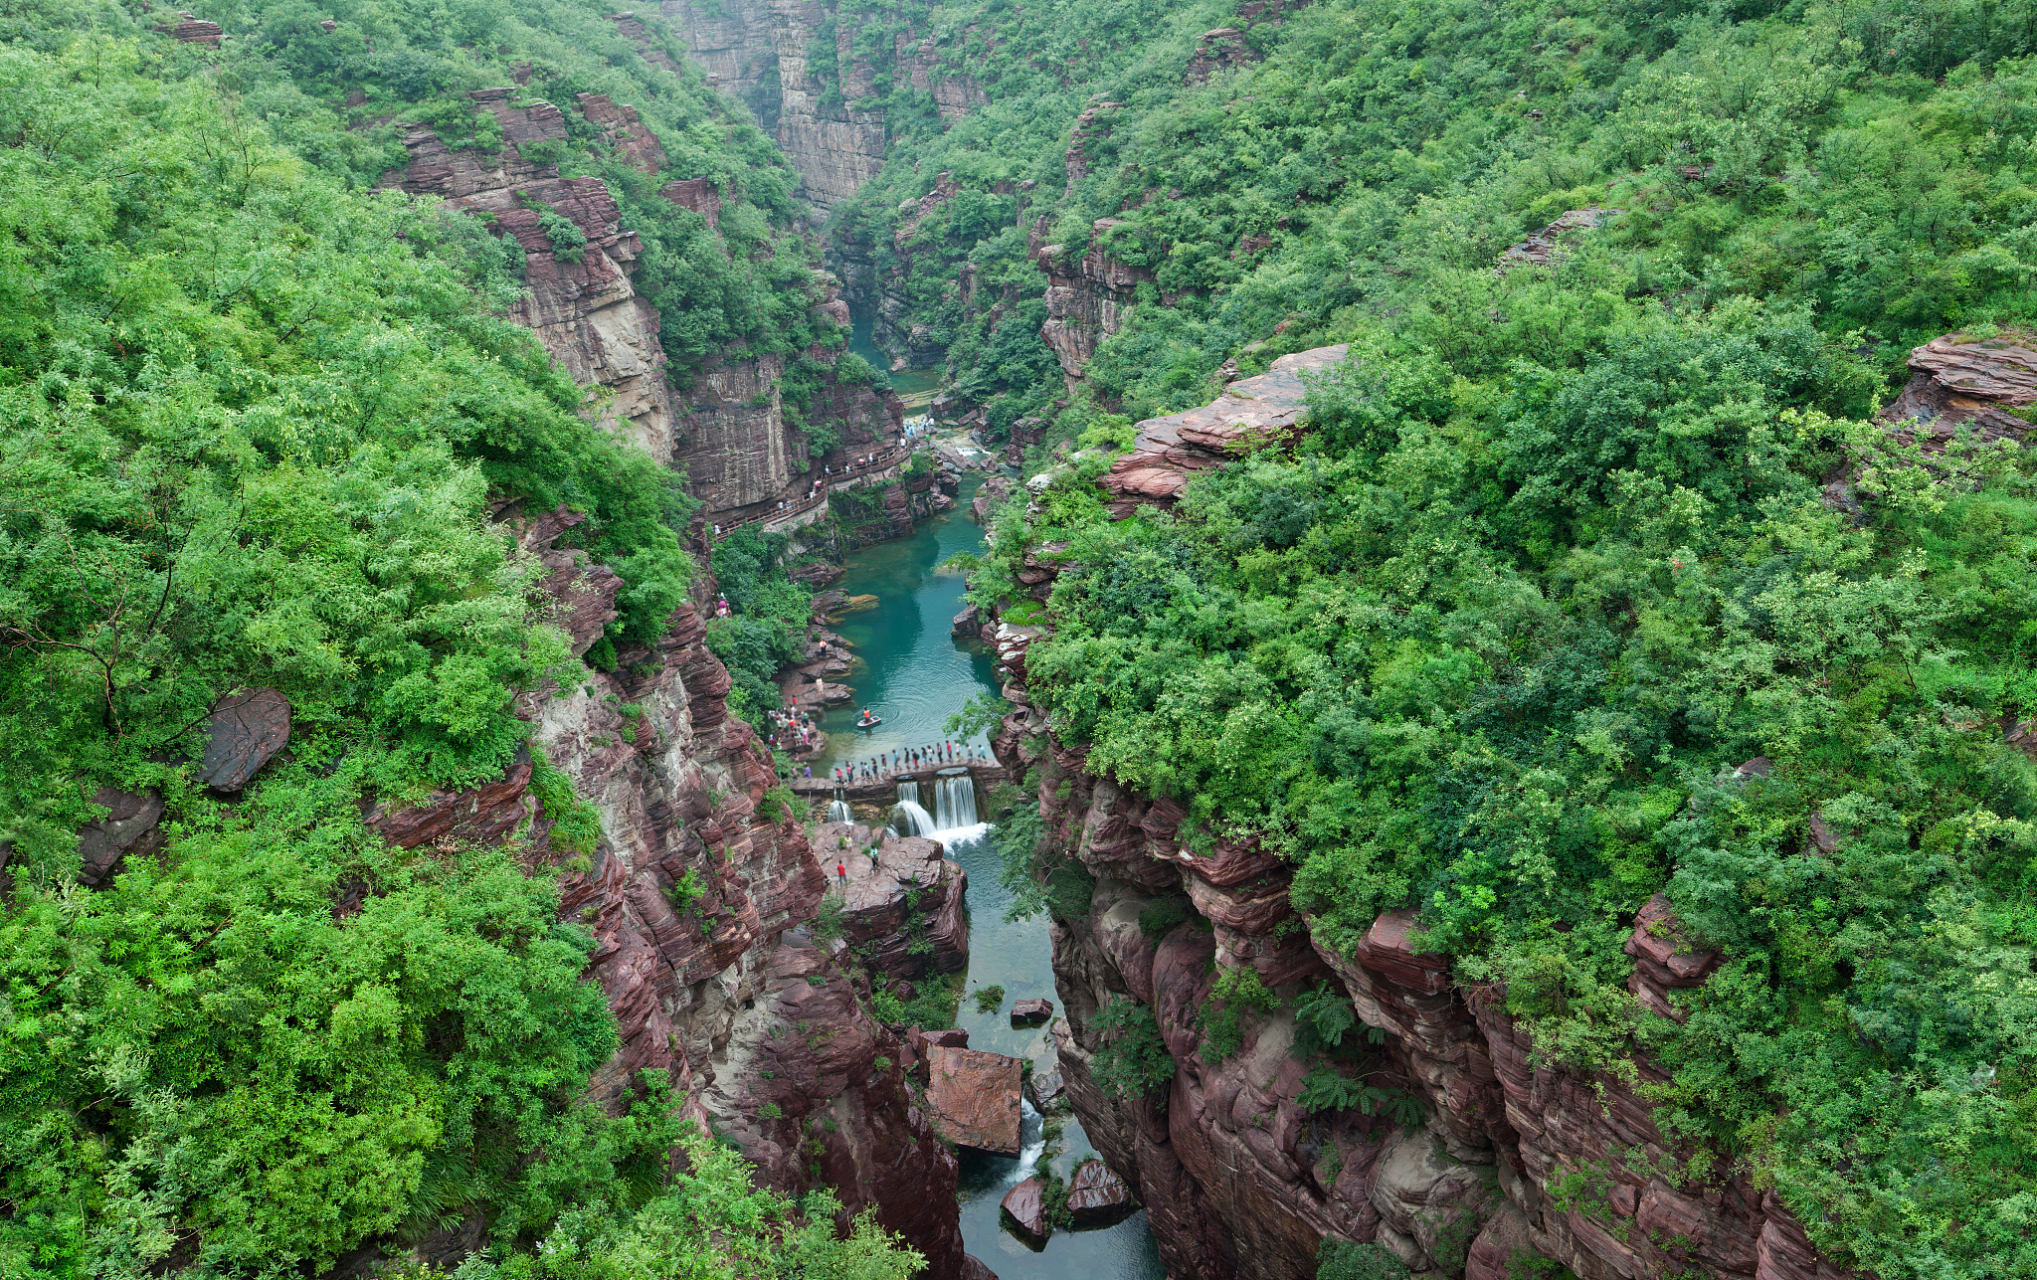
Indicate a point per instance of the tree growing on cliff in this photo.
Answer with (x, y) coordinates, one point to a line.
(1132, 1061)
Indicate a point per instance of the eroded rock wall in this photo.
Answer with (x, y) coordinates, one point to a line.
(582, 304)
(697, 900)
(1240, 1180)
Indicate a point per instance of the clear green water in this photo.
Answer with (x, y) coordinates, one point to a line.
(914, 386)
(917, 676)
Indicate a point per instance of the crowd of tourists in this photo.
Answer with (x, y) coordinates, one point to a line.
(792, 730)
(906, 759)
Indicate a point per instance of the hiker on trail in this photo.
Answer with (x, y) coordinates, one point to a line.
(842, 874)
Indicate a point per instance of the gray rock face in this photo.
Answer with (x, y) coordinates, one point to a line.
(737, 450)
(131, 817)
(1088, 296)
(587, 313)
(732, 42)
(247, 727)
(756, 50)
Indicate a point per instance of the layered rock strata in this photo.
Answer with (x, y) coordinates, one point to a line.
(759, 51)
(1269, 408)
(696, 900)
(902, 908)
(1959, 384)
(1089, 295)
(580, 300)
(1240, 1179)
(732, 42)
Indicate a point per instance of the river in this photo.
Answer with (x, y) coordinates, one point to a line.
(916, 387)
(917, 676)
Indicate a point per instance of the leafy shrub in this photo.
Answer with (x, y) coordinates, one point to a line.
(569, 242)
(989, 999)
(685, 891)
(1348, 1260)
(1238, 994)
(777, 804)
(1133, 1060)
(1324, 1090)
(1156, 920)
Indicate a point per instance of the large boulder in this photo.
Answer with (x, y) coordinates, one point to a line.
(1031, 1013)
(1268, 408)
(248, 726)
(1430, 1204)
(1097, 1197)
(907, 890)
(1025, 1212)
(130, 816)
(974, 1097)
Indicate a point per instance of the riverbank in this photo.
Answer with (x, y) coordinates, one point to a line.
(916, 675)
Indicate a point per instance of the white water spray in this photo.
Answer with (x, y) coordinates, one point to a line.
(954, 803)
(1032, 1142)
(838, 810)
(908, 818)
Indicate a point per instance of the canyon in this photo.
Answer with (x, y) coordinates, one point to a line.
(725, 426)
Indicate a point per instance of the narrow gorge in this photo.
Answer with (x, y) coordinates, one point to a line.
(1281, 639)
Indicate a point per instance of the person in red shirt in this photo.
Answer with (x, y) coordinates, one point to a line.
(842, 873)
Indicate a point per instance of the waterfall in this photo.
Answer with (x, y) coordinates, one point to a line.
(909, 819)
(954, 803)
(838, 810)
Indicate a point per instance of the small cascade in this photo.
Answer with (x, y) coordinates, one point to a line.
(838, 810)
(954, 803)
(1032, 1142)
(908, 818)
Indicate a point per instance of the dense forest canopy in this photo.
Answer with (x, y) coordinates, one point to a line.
(1554, 557)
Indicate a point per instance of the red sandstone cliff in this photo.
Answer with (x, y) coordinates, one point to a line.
(586, 312)
(697, 902)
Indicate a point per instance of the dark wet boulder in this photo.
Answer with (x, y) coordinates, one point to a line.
(1097, 1197)
(1031, 1013)
(130, 817)
(248, 726)
(1025, 1213)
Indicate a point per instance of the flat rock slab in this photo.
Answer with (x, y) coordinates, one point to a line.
(975, 1098)
(1025, 1213)
(1097, 1197)
(1031, 1013)
(248, 727)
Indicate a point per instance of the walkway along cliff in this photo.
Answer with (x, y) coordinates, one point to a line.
(1238, 1177)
